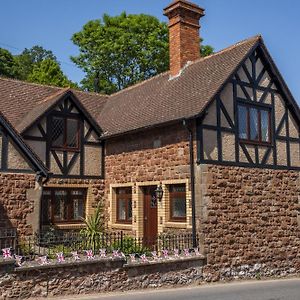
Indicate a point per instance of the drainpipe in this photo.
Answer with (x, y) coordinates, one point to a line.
(192, 175)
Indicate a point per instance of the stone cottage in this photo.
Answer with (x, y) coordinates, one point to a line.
(219, 135)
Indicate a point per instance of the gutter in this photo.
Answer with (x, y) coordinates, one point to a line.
(192, 176)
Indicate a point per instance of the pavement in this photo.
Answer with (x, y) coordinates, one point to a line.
(279, 289)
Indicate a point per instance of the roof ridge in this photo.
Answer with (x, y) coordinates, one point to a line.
(30, 83)
(253, 38)
(57, 93)
(89, 93)
(139, 83)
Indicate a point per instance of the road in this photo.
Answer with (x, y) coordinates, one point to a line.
(287, 289)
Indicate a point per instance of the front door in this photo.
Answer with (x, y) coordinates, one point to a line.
(150, 215)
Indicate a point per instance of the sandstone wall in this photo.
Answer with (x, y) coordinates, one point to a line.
(153, 155)
(15, 205)
(101, 276)
(250, 219)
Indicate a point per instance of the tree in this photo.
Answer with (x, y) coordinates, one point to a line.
(8, 66)
(49, 72)
(31, 57)
(116, 52)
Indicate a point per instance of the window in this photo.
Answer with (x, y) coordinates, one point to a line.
(177, 202)
(254, 123)
(65, 133)
(124, 205)
(63, 205)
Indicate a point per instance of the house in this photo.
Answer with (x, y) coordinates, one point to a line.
(219, 135)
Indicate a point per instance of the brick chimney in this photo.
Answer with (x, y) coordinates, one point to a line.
(184, 37)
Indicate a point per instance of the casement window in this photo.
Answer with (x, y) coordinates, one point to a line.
(124, 205)
(65, 133)
(63, 205)
(177, 195)
(254, 123)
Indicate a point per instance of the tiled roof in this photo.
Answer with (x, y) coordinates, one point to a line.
(162, 99)
(23, 102)
(152, 102)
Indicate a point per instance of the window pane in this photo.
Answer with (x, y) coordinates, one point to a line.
(58, 128)
(60, 202)
(79, 209)
(72, 133)
(254, 124)
(122, 209)
(264, 125)
(178, 208)
(242, 110)
(129, 209)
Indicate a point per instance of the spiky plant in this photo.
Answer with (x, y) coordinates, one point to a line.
(94, 228)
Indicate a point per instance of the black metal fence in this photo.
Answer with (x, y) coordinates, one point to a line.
(51, 243)
(8, 238)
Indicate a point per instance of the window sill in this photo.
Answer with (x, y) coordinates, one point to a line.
(172, 224)
(264, 144)
(121, 226)
(69, 226)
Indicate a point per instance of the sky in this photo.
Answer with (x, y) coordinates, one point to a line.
(51, 24)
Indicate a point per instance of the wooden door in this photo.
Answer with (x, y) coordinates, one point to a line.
(150, 215)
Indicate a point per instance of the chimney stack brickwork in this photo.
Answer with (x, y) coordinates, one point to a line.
(183, 33)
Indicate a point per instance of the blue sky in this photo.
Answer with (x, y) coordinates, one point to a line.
(51, 23)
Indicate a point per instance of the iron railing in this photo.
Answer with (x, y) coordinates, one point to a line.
(51, 243)
(8, 238)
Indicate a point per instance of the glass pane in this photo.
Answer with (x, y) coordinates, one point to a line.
(122, 209)
(72, 133)
(264, 125)
(178, 208)
(58, 128)
(46, 211)
(180, 188)
(60, 202)
(254, 124)
(242, 113)
(79, 209)
(130, 210)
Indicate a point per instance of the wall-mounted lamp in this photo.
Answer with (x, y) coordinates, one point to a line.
(159, 192)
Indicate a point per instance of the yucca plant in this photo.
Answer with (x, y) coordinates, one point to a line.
(94, 228)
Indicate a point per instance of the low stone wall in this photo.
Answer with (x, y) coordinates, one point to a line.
(96, 276)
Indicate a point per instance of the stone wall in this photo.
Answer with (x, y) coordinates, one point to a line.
(249, 220)
(100, 276)
(152, 155)
(15, 205)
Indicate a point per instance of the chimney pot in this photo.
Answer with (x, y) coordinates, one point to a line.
(184, 36)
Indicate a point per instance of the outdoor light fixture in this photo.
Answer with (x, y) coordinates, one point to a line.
(159, 192)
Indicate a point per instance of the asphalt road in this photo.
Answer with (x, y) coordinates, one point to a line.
(288, 289)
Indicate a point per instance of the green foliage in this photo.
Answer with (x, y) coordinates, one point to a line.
(94, 228)
(116, 52)
(8, 65)
(119, 51)
(49, 72)
(52, 251)
(130, 246)
(29, 58)
(34, 65)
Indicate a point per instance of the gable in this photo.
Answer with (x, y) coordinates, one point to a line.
(63, 122)
(258, 89)
(15, 155)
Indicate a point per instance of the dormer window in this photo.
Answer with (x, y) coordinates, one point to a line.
(254, 123)
(65, 133)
